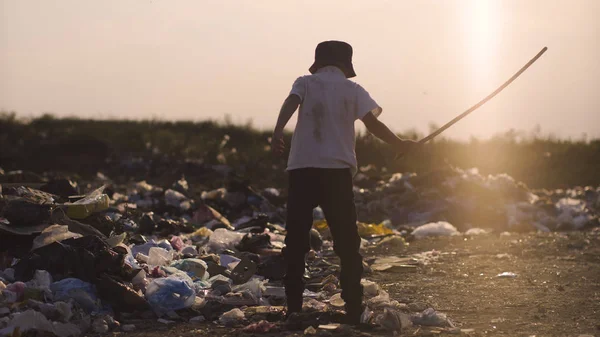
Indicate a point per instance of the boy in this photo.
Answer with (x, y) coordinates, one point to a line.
(321, 165)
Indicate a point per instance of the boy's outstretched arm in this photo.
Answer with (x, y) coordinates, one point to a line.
(381, 131)
(288, 108)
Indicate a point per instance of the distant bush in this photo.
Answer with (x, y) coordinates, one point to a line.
(86, 146)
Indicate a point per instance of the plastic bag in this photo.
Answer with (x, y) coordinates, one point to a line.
(381, 300)
(170, 293)
(393, 320)
(189, 250)
(139, 280)
(313, 305)
(366, 316)
(18, 288)
(177, 243)
(54, 233)
(176, 199)
(196, 268)
(159, 257)
(58, 310)
(143, 249)
(260, 327)
(218, 277)
(82, 292)
(223, 239)
(214, 194)
(430, 317)
(337, 301)
(277, 292)
(116, 240)
(41, 279)
(372, 230)
(164, 244)
(96, 201)
(33, 320)
(370, 288)
(227, 260)
(232, 317)
(441, 228)
(203, 232)
(320, 225)
(255, 286)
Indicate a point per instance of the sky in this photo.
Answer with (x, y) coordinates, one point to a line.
(423, 61)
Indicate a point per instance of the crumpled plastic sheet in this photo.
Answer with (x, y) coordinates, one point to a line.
(430, 317)
(232, 317)
(34, 320)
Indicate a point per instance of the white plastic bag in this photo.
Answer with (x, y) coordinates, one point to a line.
(159, 257)
(222, 239)
(34, 320)
(54, 233)
(441, 228)
(232, 317)
(370, 288)
(255, 286)
(381, 300)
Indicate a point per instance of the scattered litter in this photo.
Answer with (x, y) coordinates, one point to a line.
(430, 317)
(506, 274)
(370, 288)
(435, 229)
(159, 256)
(393, 320)
(54, 233)
(261, 327)
(330, 327)
(33, 320)
(372, 230)
(81, 292)
(310, 331)
(232, 317)
(170, 293)
(95, 201)
(140, 249)
(475, 231)
(337, 301)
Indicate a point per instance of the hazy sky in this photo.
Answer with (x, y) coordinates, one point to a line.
(423, 61)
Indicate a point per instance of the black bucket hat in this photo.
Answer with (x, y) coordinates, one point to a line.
(334, 53)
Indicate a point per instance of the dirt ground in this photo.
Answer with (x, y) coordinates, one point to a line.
(556, 291)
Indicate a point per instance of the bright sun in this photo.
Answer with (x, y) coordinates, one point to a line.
(481, 17)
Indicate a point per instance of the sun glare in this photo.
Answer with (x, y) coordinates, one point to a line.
(480, 22)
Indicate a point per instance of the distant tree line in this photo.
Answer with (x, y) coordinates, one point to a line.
(84, 147)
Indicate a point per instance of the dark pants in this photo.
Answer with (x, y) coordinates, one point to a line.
(332, 190)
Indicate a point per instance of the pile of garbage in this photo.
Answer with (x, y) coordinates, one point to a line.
(467, 199)
(75, 263)
(72, 263)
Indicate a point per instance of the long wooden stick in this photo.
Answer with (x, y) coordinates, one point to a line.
(483, 101)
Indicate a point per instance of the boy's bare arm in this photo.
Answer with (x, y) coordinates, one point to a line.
(288, 108)
(381, 131)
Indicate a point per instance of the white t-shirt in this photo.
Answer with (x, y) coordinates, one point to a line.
(330, 104)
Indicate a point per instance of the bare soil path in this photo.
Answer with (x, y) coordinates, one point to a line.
(556, 291)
